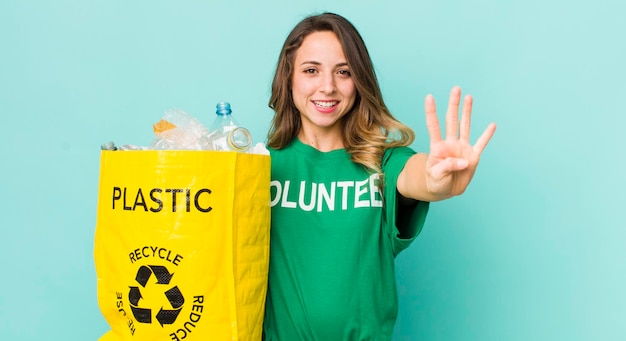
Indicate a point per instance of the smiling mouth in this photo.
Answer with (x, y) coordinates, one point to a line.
(325, 104)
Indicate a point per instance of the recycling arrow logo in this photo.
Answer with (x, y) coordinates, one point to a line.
(165, 315)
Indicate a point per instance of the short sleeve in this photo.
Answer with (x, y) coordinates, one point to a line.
(401, 232)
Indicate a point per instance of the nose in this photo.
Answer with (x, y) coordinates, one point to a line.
(327, 83)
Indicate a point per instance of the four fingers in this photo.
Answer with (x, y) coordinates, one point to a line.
(454, 130)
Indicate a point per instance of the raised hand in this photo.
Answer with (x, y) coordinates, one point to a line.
(452, 161)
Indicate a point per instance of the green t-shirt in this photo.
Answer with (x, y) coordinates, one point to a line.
(334, 238)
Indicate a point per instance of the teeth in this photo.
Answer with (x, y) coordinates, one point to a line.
(325, 104)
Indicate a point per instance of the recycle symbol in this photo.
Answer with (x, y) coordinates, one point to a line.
(173, 295)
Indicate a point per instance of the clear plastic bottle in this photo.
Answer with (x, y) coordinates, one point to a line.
(225, 133)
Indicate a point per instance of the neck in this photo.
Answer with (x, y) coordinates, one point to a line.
(321, 142)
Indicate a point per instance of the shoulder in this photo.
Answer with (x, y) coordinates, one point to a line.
(280, 151)
(396, 158)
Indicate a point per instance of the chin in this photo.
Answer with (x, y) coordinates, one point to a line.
(325, 123)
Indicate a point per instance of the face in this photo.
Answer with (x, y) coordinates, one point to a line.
(322, 87)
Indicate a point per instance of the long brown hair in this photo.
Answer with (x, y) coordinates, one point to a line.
(369, 128)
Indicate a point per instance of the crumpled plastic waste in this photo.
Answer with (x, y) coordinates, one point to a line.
(178, 130)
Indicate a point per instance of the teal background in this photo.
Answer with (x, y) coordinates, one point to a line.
(534, 250)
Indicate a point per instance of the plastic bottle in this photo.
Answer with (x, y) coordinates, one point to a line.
(110, 145)
(225, 133)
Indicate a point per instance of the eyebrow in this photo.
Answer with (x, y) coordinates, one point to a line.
(318, 63)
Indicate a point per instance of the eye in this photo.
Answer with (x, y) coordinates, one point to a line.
(310, 70)
(345, 73)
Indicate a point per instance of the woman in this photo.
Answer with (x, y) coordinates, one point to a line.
(347, 193)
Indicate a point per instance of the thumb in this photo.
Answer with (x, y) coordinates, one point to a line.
(447, 166)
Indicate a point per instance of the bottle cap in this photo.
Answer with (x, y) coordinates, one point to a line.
(239, 139)
(223, 108)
